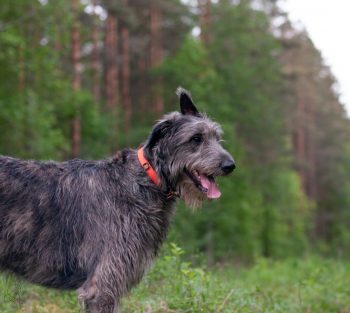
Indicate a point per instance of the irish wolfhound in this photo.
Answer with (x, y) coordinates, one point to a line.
(95, 226)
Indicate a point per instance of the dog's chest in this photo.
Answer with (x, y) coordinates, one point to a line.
(144, 232)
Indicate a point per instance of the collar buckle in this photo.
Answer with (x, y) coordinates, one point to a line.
(146, 166)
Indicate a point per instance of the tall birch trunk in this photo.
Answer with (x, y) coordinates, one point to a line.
(76, 82)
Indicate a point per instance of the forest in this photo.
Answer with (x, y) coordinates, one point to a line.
(85, 78)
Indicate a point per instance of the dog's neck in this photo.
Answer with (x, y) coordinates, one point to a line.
(147, 166)
(145, 161)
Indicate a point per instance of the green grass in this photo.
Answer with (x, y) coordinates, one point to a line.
(302, 285)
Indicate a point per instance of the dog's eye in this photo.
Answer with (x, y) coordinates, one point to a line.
(197, 138)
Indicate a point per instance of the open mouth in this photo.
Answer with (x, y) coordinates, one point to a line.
(205, 183)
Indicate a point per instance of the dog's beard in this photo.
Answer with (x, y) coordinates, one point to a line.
(189, 193)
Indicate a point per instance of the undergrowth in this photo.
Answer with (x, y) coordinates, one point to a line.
(311, 285)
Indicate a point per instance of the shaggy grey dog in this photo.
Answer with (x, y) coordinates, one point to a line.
(95, 226)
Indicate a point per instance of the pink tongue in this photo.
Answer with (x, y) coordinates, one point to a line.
(213, 191)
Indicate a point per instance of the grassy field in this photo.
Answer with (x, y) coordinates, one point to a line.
(310, 285)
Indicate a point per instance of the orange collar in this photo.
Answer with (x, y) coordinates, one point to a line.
(147, 167)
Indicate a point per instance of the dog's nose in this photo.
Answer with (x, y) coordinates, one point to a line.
(228, 166)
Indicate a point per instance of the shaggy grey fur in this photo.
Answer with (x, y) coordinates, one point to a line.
(95, 226)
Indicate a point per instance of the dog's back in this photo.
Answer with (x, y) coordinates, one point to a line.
(58, 220)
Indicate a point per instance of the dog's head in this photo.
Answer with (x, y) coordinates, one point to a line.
(185, 149)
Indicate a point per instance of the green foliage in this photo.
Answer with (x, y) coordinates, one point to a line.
(244, 80)
(262, 210)
(189, 288)
(277, 287)
(237, 79)
(35, 134)
(174, 285)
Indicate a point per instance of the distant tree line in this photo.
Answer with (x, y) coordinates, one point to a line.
(84, 78)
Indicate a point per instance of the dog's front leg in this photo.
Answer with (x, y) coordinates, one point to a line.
(100, 306)
(96, 302)
(94, 299)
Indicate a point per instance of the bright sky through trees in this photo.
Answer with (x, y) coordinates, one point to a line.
(328, 25)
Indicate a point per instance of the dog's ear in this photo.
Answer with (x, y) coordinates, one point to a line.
(186, 103)
(158, 132)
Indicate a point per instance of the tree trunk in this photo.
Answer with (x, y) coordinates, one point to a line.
(311, 151)
(204, 7)
(75, 59)
(126, 75)
(142, 70)
(21, 70)
(111, 62)
(95, 65)
(300, 135)
(156, 56)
